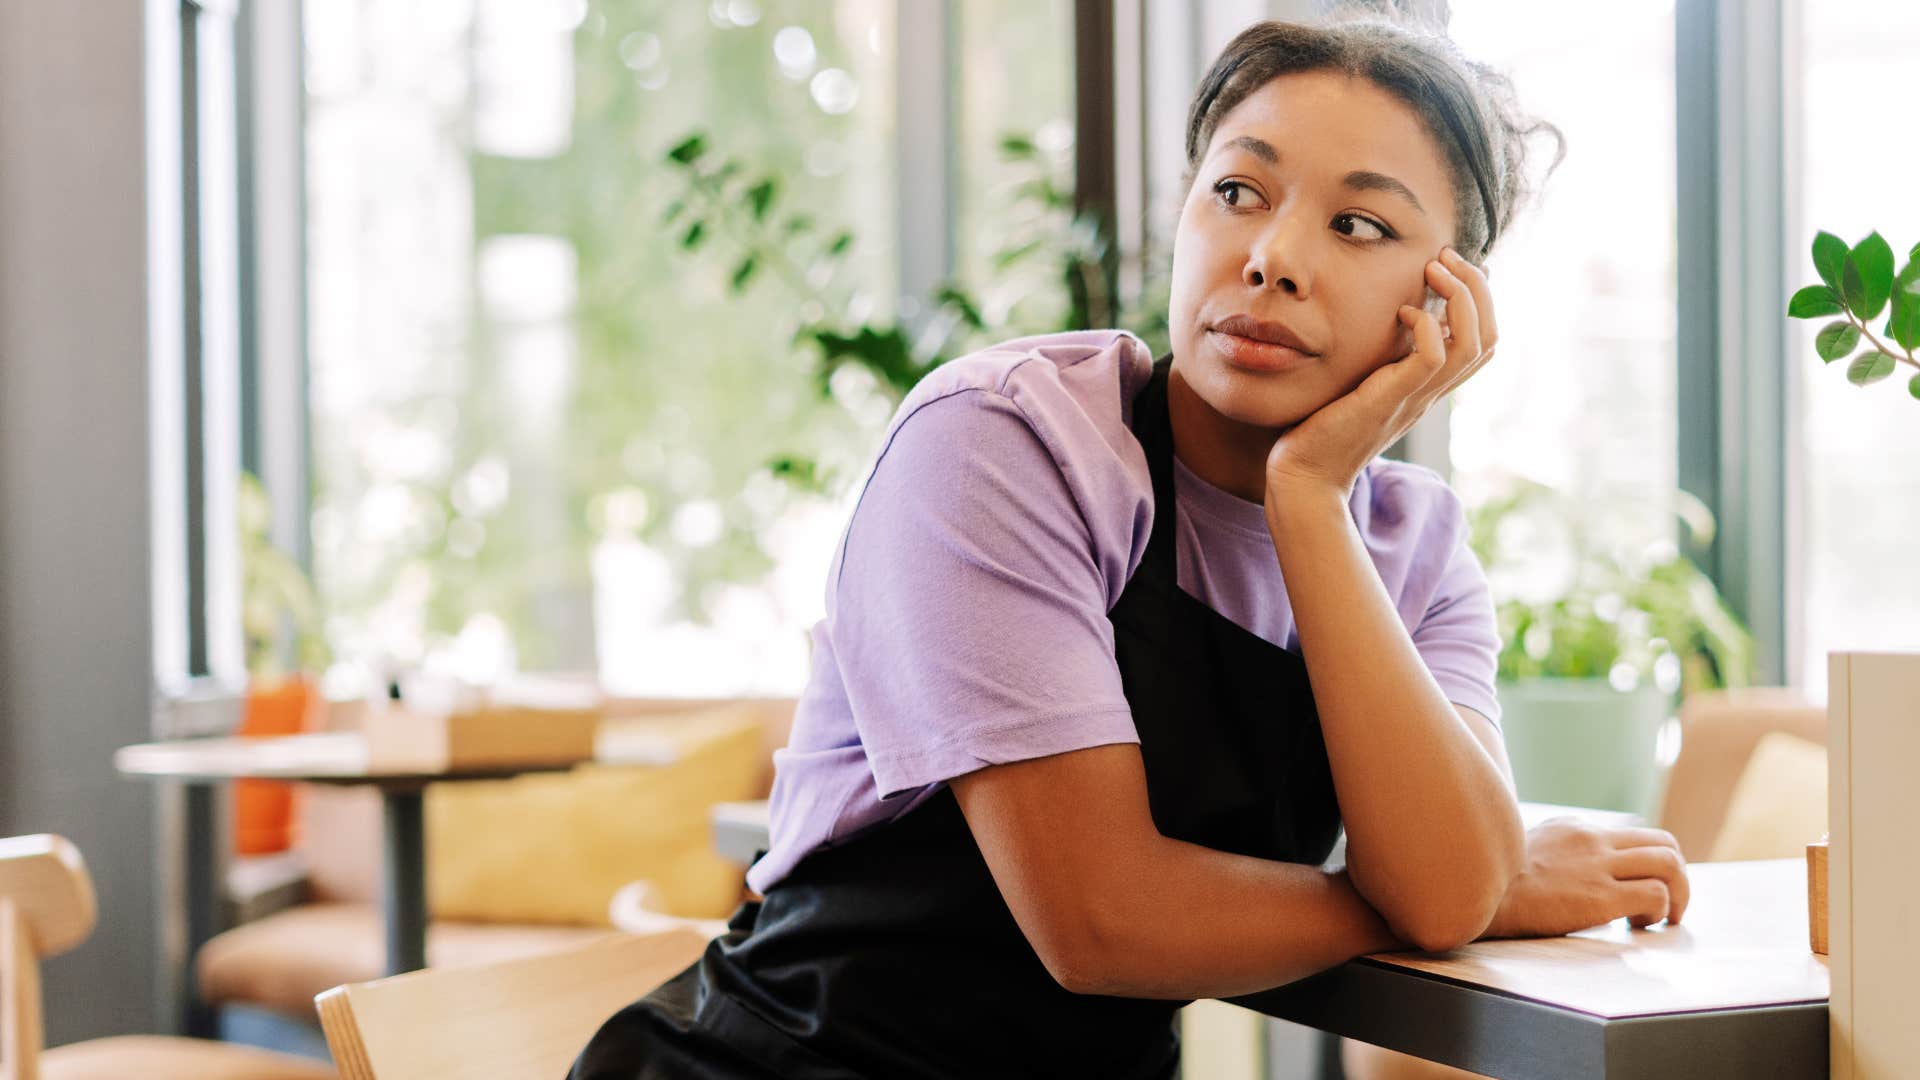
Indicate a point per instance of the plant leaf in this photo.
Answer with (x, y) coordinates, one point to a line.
(840, 244)
(1829, 257)
(760, 196)
(1909, 279)
(1903, 325)
(1835, 340)
(744, 272)
(1866, 279)
(695, 233)
(1869, 368)
(688, 150)
(962, 305)
(798, 223)
(1913, 386)
(1014, 146)
(674, 210)
(1813, 302)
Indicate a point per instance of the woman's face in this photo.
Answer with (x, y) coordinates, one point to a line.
(1317, 204)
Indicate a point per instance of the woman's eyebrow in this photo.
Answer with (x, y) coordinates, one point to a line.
(1367, 180)
(1357, 180)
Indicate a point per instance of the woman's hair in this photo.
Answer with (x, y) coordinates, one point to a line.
(1468, 107)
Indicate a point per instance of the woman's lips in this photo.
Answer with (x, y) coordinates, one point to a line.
(1260, 356)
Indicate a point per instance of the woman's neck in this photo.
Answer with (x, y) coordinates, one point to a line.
(1224, 452)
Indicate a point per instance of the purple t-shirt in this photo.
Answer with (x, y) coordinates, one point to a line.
(966, 618)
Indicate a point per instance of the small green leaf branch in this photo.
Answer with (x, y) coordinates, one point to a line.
(1858, 283)
(723, 197)
(720, 198)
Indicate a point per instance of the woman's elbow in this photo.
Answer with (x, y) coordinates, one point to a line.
(1441, 924)
(1084, 953)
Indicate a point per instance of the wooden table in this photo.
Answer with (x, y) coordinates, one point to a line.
(201, 766)
(1732, 992)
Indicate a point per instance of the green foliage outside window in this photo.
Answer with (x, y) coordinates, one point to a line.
(1573, 603)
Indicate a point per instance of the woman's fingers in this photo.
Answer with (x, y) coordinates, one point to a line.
(1658, 862)
(1630, 836)
(1463, 308)
(1646, 901)
(1475, 279)
(1429, 356)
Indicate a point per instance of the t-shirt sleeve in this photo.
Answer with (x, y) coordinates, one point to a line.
(968, 606)
(1459, 636)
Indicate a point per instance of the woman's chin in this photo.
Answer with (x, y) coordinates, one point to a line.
(1254, 400)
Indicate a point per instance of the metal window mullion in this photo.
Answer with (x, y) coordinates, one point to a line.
(925, 76)
(275, 431)
(1732, 395)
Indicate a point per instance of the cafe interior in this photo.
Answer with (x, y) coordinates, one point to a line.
(476, 395)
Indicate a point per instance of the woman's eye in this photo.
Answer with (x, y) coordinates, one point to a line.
(1228, 192)
(1368, 222)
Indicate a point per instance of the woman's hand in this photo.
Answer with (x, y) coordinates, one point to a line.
(1328, 449)
(1579, 875)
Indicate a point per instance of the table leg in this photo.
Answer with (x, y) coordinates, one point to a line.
(202, 836)
(403, 901)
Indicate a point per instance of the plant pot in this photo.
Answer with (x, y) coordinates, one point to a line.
(1873, 879)
(1580, 742)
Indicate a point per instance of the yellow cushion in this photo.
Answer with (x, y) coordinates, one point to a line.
(1780, 804)
(554, 848)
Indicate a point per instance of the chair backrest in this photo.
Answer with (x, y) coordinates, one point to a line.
(514, 1018)
(1718, 732)
(46, 907)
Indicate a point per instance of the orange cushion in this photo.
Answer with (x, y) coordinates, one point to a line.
(280, 962)
(161, 1057)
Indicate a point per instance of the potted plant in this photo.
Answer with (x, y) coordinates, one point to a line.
(1600, 641)
(1873, 710)
(279, 619)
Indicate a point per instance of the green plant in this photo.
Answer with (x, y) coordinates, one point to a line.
(1571, 605)
(1858, 283)
(275, 595)
(723, 198)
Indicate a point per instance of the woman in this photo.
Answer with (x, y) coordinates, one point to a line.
(1114, 648)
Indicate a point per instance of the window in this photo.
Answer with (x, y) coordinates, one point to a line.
(1850, 534)
(542, 419)
(1581, 395)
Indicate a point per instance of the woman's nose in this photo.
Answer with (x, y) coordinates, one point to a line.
(1276, 258)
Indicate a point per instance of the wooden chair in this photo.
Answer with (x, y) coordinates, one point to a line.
(516, 1018)
(47, 907)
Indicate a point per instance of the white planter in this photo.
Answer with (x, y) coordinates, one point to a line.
(1873, 889)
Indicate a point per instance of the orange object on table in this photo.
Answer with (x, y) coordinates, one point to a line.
(263, 809)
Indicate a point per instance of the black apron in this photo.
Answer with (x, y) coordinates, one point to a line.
(892, 954)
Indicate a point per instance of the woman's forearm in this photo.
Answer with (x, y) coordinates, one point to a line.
(1433, 835)
(1208, 923)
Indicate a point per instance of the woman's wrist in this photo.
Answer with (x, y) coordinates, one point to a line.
(1292, 500)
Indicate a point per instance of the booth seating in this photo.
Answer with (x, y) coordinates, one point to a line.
(47, 907)
(515, 868)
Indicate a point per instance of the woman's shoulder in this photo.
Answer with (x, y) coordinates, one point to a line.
(1071, 393)
(1026, 436)
(1079, 376)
